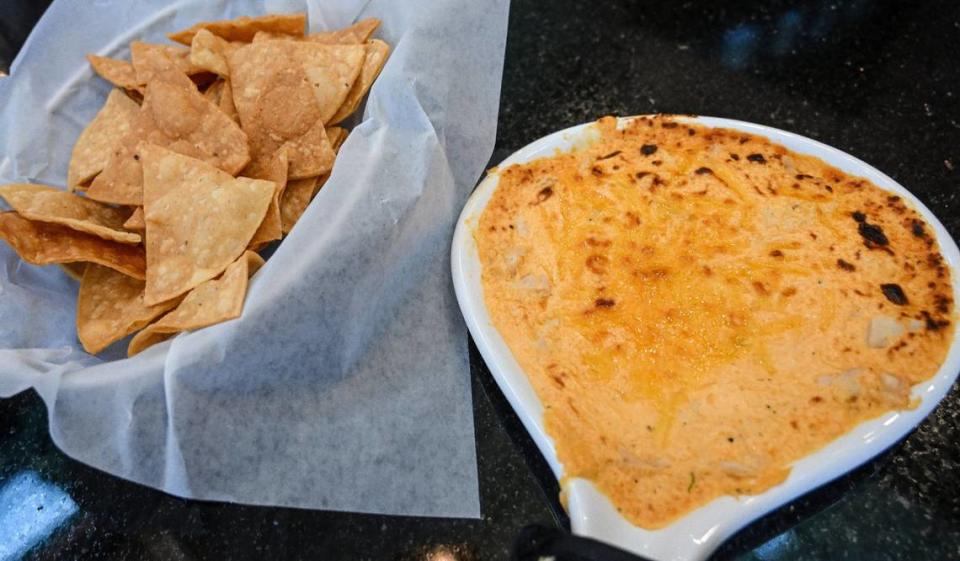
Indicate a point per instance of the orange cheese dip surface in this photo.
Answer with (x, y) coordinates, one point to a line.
(698, 308)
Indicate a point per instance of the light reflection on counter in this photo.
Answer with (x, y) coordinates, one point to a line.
(30, 510)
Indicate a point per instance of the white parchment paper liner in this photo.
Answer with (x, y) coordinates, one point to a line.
(345, 384)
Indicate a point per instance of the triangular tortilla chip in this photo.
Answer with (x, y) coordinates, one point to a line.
(275, 171)
(199, 220)
(47, 204)
(209, 52)
(120, 73)
(136, 221)
(285, 115)
(296, 197)
(299, 192)
(377, 52)
(175, 115)
(42, 243)
(110, 306)
(212, 302)
(150, 59)
(244, 28)
(355, 34)
(95, 144)
(283, 77)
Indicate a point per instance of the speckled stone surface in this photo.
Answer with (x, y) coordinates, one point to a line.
(876, 79)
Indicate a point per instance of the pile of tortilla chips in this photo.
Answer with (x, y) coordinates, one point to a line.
(201, 156)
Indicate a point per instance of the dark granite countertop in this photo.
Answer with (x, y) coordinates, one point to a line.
(876, 79)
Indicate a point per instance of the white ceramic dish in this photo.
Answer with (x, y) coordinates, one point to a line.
(697, 535)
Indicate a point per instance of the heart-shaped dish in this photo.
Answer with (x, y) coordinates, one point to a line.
(696, 535)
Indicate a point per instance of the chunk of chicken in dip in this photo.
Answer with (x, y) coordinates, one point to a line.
(697, 308)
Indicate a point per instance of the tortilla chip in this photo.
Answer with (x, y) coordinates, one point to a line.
(275, 171)
(212, 302)
(299, 192)
(336, 136)
(47, 204)
(293, 83)
(355, 34)
(221, 94)
(285, 115)
(136, 221)
(209, 52)
(95, 144)
(226, 103)
(267, 36)
(110, 306)
(296, 197)
(120, 73)
(310, 154)
(244, 28)
(174, 115)
(150, 60)
(376, 56)
(74, 270)
(199, 220)
(42, 243)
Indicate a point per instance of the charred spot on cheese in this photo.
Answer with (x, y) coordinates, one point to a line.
(757, 158)
(679, 299)
(703, 170)
(942, 303)
(846, 266)
(932, 323)
(648, 149)
(544, 194)
(917, 228)
(894, 293)
(872, 234)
